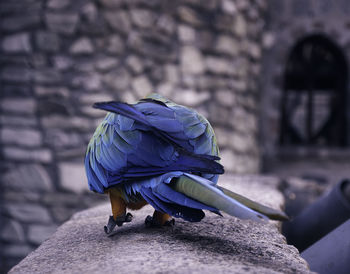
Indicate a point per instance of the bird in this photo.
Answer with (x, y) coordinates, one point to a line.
(157, 152)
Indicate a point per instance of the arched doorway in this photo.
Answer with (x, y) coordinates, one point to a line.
(314, 100)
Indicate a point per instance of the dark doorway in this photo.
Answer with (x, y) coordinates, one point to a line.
(314, 100)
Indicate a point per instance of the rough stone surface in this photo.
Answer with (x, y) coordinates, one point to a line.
(216, 244)
(21, 137)
(17, 43)
(73, 177)
(29, 213)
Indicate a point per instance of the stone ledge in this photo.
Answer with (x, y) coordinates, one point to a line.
(217, 244)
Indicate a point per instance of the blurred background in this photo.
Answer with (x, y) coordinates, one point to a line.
(270, 75)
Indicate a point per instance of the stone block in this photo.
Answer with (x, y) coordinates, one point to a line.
(73, 177)
(43, 91)
(191, 98)
(62, 62)
(91, 81)
(225, 97)
(115, 44)
(228, 45)
(28, 177)
(90, 12)
(190, 16)
(186, 34)
(142, 86)
(19, 154)
(142, 18)
(16, 74)
(191, 60)
(17, 250)
(229, 7)
(39, 233)
(117, 80)
(47, 41)
(20, 137)
(58, 4)
(105, 63)
(90, 99)
(11, 120)
(65, 23)
(19, 105)
(112, 3)
(20, 22)
(82, 46)
(47, 76)
(172, 74)
(60, 139)
(219, 65)
(118, 20)
(135, 64)
(66, 122)
(240, 26)
(16, 43)
(28, 213)
(12, 231)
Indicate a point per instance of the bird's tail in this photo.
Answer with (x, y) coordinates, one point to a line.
(225, 200)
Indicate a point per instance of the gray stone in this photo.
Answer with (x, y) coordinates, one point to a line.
(51, 91)
(28, 213)
(17, 250)
(227, 44)
(64, 122)
(47, 76)
(243, 121)
(16, 74)
(229, 7)
(11, 120)
(214, 245)
(62, 62)
(37, 155)
(142, 86)
(191, 60)
(22, 196)
(166, 23)
(106, 63)
(91, 81)
(243, 143)
(21, 137)
(48, 41)
(135, 64)
(90, 12)
(20, 22)
(65, 23)
(16, 43)
(39, 233)
(12, 231)
(186, 34)
(191, 98)
(57, 4)
(28, 177)
(82, 46)
(225, 97)
(189, 15)
(90, 99)
(18, 105)
(142, 18)
(115, 44)
(118, 20)
(60, 139)
(117, 80)
(112, 3)
(172, 74)
(73, 177)
(219, 65)
(240, 26)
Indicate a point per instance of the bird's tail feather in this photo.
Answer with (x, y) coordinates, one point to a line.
(201, 190)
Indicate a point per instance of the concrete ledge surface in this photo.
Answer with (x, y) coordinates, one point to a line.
(215, 245)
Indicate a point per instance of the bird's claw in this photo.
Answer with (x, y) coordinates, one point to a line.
(126, 218)
(150, 222)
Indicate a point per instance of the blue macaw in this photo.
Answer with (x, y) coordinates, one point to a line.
(160, 153)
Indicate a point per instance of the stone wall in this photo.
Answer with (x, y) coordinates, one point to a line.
(59, 56)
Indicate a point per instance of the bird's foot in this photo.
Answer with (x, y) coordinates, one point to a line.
(153, 222)
(125, 218)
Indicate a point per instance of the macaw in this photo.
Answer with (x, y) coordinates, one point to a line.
(160, 153)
